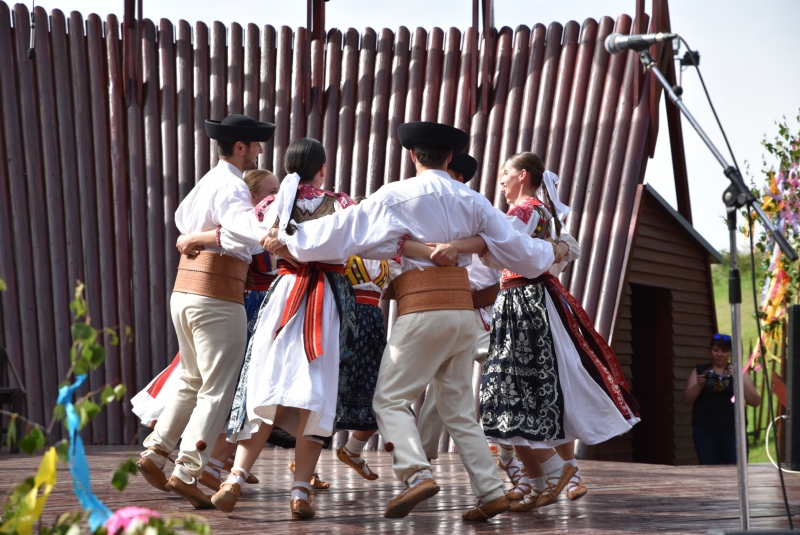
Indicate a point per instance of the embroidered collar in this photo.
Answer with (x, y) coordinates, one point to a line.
(524, 210)
(307, 191)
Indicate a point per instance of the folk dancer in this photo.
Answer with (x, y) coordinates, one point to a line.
(150, 402)
(359, 374)
(549, 378)
(208, 313)
(306, 324)
(484, 283)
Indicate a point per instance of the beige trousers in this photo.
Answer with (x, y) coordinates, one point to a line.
(424, 347)
(430, 423)
(211, 337)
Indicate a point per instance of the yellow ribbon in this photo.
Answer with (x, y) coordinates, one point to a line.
(33, 505)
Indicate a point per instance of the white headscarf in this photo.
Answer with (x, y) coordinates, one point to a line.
(550, 180)
(281, 207)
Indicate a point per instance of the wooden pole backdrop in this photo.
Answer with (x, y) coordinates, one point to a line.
(90, 187)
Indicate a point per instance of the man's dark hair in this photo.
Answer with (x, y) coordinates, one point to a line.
(305, 157)
(225, 148)
(430, 155)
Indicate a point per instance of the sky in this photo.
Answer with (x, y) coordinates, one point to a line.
(748, 58)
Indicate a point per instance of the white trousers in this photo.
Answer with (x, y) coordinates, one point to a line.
(424, 347)
(211, 337)
(430, 423)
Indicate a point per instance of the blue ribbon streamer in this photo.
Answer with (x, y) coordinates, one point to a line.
(78, 466)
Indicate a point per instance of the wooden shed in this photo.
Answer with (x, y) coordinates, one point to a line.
(664, 323)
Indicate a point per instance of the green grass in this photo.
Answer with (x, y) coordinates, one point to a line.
(719, 274)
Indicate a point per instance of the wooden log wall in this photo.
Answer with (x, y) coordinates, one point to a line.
(89, 186)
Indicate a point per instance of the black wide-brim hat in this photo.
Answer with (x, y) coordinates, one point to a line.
(465, 164)
(432, 133)
(242, 128)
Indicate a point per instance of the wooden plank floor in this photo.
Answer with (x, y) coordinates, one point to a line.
(623, 498)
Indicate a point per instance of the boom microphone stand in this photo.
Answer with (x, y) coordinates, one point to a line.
(736, 196)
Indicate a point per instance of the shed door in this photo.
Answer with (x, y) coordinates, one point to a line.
(651, 368)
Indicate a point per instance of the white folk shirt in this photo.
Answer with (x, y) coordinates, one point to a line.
(431, 207)
(481, 277)
(220, 198)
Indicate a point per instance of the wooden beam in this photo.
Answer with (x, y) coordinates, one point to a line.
(676, 147)
(315, 19)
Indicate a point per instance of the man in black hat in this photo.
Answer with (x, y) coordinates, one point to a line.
(484, 282)
(433, 337)
(208, 312)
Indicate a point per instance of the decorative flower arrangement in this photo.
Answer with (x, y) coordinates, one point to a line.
(780, 197)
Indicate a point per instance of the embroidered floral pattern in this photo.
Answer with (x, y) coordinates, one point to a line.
(400, 243)
(520, 393)
(253, 303)
(261, 207)
(358, 374)
(524, 211)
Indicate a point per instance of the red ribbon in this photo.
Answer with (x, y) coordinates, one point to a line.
(367, 297)
(309, 282)
(158, 384)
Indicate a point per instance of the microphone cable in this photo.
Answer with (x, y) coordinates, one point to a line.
(750, 222)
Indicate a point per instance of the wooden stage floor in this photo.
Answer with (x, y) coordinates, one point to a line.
(623, 498)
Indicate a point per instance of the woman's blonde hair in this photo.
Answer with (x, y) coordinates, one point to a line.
(254, 178)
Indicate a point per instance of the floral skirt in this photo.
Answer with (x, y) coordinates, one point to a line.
(252, 304)
(520, 391)
(358, 374)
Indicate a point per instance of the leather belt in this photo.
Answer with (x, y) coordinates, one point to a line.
(212, 275)
(485, 297)
(434, 288)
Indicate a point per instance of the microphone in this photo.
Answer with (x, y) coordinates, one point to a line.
(32, 50)
(617, 43)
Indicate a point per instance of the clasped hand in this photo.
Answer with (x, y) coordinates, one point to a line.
(271, 243)
(187, 246)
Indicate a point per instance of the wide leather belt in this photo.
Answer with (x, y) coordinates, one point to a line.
(212, 275)
(485, 297)
(434, 288)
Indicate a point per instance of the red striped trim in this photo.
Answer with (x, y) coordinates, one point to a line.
(309, 282)
(158, 384)
(367, 297)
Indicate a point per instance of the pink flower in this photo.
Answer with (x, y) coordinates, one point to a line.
(123, 518)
